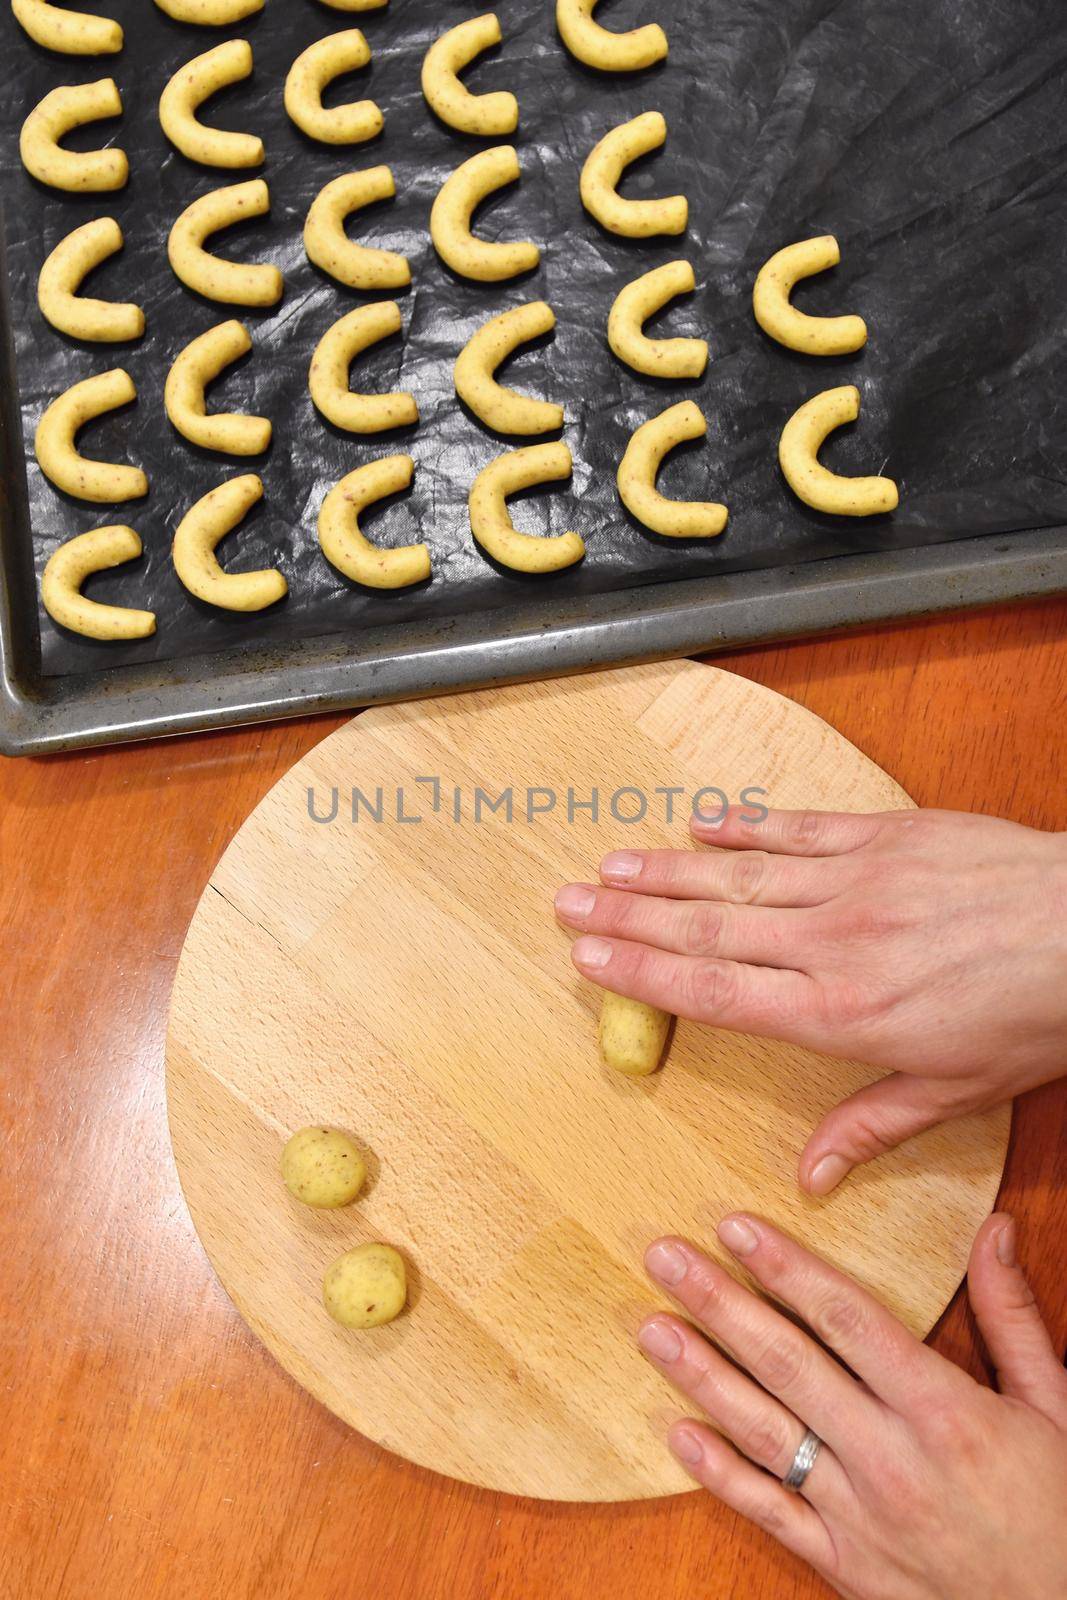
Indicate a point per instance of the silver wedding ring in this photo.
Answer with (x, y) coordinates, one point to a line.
(803, 1461)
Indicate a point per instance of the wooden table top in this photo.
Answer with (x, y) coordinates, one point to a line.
(150, 1446)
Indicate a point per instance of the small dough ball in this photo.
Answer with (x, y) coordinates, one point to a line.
(366, 1286)
(632, 1035)
(322, 1167)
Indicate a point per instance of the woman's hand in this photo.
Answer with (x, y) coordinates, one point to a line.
(927, 1486)
(931, 943)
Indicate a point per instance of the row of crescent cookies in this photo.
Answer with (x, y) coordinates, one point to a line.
(107, 170)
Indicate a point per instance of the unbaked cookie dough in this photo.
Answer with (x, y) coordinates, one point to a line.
(66, 571)
(186, 92)
(195, 562)
(321, 1167)
(193, 369)
(366, 1287)
(598, 47)
(498, 407)
(69, 33)
(79, 171)
(674, 519)
(210, 13)
(309, 75)
(232, 282)
(656, 358)
(816, 485)
(345, 545)
(328, 373)
(328, 246)
(78, 316)
(492, 526)
(490, 115)
(450, 220)
(59, 460)
(603, 169)
(815, 336)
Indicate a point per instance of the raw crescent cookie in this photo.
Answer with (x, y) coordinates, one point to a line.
(657, 358)
(190, 86)
(70, 565)
(355, 5)
(308, 76)
(329, 247)
(328, 374)
(486, 114)
(229, 281)
(598, 47)
(71, 33)
(816, 336)
(54, 440)
(675, 519)
(450, 219)
(201, 529)
(183, 394)
(346, 547)
(61, 110)
(604, 166)
(492, 526)
(210, 13)
(798, 451)
(57, 287)
(496, 406)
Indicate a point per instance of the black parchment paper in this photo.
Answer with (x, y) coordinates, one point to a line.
(929, 137)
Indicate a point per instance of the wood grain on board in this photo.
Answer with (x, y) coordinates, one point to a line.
(405, 980)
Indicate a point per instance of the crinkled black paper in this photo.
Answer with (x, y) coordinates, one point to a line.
(928, 137)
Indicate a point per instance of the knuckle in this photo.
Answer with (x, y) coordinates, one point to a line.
(713, 989)
(783, 1363)
(704, 935)
(745, 877)
(840, 1319)
(765, 1442)
(768, 1516)
(804, 828)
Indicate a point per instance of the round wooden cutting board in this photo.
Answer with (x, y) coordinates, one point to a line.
(406, 980)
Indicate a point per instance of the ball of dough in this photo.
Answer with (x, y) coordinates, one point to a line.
(366, 1286)
(323, 1168)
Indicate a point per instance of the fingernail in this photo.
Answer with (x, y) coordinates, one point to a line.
(686, 1446)
(575, 900)
(708, 822)
(1006, 1244)
(739, 1236)
(667, 1263)
(660, 1340)
(827, 1174)
(592, 955)
(621, 866)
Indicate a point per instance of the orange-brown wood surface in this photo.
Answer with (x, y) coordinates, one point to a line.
(149, 1447)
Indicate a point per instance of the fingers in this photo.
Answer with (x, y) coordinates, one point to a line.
(872, 1121)
(789, 1518)
(778, 1355)
(894, 1365)
(790, 833)
(1011, 1324)
(700, 928)
(738, 877)
(749, 999)
(759, 1426)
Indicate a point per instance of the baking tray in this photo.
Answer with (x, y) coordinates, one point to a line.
(928, 138)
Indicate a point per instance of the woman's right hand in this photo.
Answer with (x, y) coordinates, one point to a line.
(932, 944)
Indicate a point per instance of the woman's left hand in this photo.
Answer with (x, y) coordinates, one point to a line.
(927, 1485)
